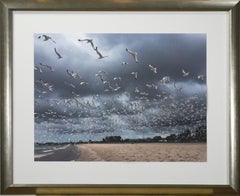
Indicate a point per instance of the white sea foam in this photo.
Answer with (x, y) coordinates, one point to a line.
(42, 155)
(62, 147)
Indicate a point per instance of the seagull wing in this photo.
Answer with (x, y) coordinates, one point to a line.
(46, 37)
(59, 56)
(135, 58)
(99, 54)
(68, 73)
(151, 67)
(134, 54)
(91, 42)
(131, 52)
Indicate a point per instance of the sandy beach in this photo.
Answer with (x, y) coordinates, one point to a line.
(138, 152)
(155, 152)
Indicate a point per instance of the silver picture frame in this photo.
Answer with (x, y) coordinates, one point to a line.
(7, 7)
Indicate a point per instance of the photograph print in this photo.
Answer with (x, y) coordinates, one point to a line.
(120, 97)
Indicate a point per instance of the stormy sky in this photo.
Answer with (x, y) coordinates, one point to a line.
(82, 97)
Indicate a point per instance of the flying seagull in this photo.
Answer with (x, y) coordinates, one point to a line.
(46, 38)
(117, 78)
(165, 80)
(184, 73)
(59, 56)
(36, 68)
(47, 66)
(100, 76)
(73, 74)
(133, 54)
(124, 63)
(46, 85)
(83, 83)
(153, 69)
(152, 86)
(200, 77)
(135, 74)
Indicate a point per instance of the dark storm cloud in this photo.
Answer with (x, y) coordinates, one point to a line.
(170, 53)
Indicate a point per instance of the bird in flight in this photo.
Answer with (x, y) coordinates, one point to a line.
(36, 68)
(83, 83)
(184, 73)
(135, 74)
(124, 63)
(133, 54)
(165, 80)
(47, 66)
(136, 90)
(153, 69)
(117, 78)
(57, 53)
(201, 77)
(152, 86)
(100, 76)
(99, 54)
(73, 74)
(46, 38)
(45, 85)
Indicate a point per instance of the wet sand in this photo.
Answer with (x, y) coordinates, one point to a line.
(154, 152)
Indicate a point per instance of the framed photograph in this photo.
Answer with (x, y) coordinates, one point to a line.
(119, 97)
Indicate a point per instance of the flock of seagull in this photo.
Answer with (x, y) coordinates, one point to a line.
(171, 111)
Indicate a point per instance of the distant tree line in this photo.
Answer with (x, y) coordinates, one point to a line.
(200, 135)
(186, 136)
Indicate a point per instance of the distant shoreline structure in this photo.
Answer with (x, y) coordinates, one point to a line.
(199, 136)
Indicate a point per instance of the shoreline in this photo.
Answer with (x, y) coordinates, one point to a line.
(129, 152)
(67, 153)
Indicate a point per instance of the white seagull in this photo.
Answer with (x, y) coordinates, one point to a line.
(165, 80)
(47, 85)
(47, 66)
(83, 83)
(153, 69)
(136, 90)
(184, 73)
(117, 78)
(201, 77)
(73, 74)
(133, 54)
(152, 86)
(100, 76)
(124, 63)
(135, 74)
(36, 68)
